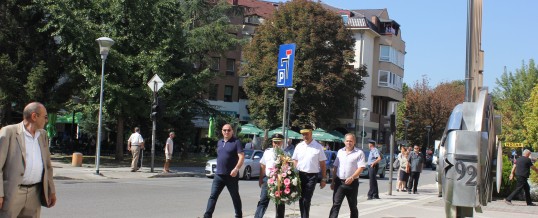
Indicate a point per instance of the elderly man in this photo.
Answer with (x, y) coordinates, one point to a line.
(135, 143)
(349, 163)
(25, 165)
(309, 159)
(416, 162)
(230, 157)
(522, 172)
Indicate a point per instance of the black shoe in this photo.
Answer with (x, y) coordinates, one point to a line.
(369, 198)
(531, 204)
(133, 170)
(377, 198)
(409, 192)
(440, 195)
(508, 202)
(415, 193)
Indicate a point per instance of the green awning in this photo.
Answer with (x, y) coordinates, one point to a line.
(68, 118)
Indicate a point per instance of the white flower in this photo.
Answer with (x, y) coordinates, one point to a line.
(294, 181)
(293, 194)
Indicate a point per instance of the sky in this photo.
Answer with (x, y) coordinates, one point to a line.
(435, 35)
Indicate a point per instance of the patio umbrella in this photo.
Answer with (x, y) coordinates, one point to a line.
(291, 134)
(337, 134)
(320, 134)
(249, 129)
(211, 130)
(51, 126)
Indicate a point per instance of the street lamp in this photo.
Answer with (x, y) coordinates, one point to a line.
(104, 47)
(291, 92)
(406, 122)
(428, 128)
(364, 112)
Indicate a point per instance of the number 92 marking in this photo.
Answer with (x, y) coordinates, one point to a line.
(461, 169)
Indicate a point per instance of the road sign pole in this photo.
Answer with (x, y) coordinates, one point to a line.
(284, 130)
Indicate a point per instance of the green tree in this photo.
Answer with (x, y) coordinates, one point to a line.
(166, 37)
(530, 122)
(325, 82)
(511, 93)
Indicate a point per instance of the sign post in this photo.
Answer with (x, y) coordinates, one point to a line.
(284, 78)
(155, 83)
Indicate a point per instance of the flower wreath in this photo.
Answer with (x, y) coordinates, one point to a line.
(283, 184)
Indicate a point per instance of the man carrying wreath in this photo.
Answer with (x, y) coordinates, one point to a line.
(268, 162)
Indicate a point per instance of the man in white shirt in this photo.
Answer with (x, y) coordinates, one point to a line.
(309, 158)
(267, 162)
(135, 144)
(349, 163)
(168, 149)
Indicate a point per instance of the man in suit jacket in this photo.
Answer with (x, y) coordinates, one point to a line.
(25, 165)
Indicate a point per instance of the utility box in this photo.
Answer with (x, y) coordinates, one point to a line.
(77, 159)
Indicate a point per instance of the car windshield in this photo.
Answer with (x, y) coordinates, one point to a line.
(248, 153)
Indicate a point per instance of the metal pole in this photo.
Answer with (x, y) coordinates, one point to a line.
(468, 51)
(284, 132)
(362, 133)
(98, 153)
(154, 129)
(391, 159)
(287, 122)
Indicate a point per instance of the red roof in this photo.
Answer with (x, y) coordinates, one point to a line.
(261, 8)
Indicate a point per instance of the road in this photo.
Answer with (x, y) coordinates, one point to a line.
(174, 197)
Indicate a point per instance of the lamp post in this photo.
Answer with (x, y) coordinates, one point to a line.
(104, 47)
(406, 122)
(428, 128)
(291, 92)
(364, 112)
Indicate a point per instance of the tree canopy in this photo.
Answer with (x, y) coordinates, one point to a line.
(326, 84)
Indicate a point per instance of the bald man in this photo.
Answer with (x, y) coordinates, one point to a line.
(25, 165)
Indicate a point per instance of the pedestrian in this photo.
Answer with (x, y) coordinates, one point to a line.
(267, 162)
(168, 150)
(403, 176)
(289, 148)
(522, 171)
(309, 158)
(249, 145)
(347, 168)
(415, 162)
(230, 157)
(25, 165)
(135, 143)
(373, 161)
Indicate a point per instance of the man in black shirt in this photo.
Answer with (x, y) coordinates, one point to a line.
(522, 171)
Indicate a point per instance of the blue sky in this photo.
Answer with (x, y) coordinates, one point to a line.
(435, 31)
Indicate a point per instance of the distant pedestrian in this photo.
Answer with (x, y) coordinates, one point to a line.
(168, 150)
(373, 161)
(522, 171)
(135, 144)
(349, 164)
(267, 162)
(403, 175)
(230, 157)
(249, 145)
(289, 148)
(309, 158)
(416, 162)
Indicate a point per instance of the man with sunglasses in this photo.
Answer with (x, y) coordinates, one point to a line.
(25, 165)
(230, 157)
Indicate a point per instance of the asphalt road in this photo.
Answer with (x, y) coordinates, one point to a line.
(174, 197)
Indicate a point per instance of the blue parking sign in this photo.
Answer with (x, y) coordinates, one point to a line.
(284, 75)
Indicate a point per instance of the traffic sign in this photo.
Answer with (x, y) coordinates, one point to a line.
(286, 56)
(155, 83)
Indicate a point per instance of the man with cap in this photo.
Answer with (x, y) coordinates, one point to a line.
(373, 161)
(267, 162)
(309, 158)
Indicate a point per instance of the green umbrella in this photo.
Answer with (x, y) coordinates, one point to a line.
(211, 130)
(337, 134)
(249, 129)
(320, 134)
(51, 126)
(291, 134)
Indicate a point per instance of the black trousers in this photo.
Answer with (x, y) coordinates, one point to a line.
(342, 190)
(521, 184)
(413, 181)
(372, 176)
(219, 182)
(264, 202)
(308, 185)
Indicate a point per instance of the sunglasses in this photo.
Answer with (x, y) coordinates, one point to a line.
(226, 130)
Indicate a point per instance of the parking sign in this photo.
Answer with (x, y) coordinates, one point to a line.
(286, 56)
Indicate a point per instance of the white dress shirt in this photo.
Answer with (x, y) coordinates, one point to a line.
(136, 139)
(308, 156)
(33, 171)
(348, 163)
(268, 160)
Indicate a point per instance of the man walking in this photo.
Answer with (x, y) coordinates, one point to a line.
(373, 160)
(309, 159)
(267, 162)
(349, 163)
(230, 157)
(135, 143)
(416, 162)
(522, 171)
(168, 149)
(25, 165)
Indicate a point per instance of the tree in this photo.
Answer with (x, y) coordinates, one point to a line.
(166, 37)
(510, 95)
(325, 82)
(431, 107)
(530, 122)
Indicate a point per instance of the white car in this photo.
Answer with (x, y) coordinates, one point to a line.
(250, 168)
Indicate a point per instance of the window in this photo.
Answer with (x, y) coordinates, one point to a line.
(230, 67)
(384, 53)
(391, 80)
(215, 64)
(384, 78)
(213, 91)
(228, 93)
(389, 54)
(345, 18)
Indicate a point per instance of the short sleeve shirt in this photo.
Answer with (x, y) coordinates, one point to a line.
(170, 143)
(523, 166)
(308, 156)
(136, 139)
(227, 155)
(416, 161)
(348, 163)
(268, 160)
(374, 154)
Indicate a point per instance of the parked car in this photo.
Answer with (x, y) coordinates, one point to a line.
(250, 168)
(381, 170)
(387, 157)
(329, 163)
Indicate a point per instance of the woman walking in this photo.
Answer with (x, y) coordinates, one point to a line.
(403, 174)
